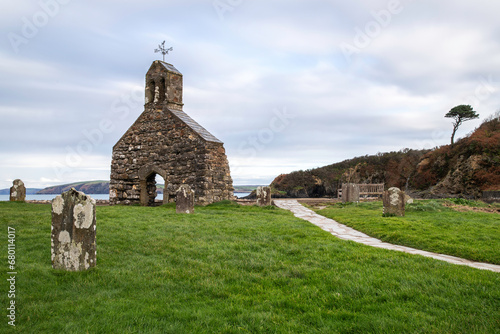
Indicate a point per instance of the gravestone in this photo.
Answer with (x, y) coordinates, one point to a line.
(394, 202)
(184, 200)
(350, 192)
(263, 196)
(408, 199)
(73, 231)
(170, 193)
(17, 191)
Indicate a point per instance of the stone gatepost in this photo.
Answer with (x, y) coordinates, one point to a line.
(184, 200)
(263, 196)
(73, 231)
(17, 191)
(350, 192)
(394, 202)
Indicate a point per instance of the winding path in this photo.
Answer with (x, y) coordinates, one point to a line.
(347, 233)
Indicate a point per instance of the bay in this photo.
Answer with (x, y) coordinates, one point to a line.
(94, 196)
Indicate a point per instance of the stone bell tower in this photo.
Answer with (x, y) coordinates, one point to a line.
(163, 86)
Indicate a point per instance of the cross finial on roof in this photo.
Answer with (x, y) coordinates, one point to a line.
(163, 50)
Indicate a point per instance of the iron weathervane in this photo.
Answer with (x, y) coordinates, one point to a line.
(163, 50)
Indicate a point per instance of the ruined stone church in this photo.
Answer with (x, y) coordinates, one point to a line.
(165, 141)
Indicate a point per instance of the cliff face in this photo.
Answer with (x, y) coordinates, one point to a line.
(467, 168)
(395, 169)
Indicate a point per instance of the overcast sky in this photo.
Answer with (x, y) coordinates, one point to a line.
(286, 85)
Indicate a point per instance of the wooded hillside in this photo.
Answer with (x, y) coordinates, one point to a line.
(469, 167)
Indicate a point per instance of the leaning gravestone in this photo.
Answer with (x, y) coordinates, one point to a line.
(184, 200)
(73, 231)
(17, 191)
(394, 202)
(408, 199)
(350, 192)
(263, 196)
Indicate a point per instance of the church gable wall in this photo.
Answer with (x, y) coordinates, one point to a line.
(160, 139)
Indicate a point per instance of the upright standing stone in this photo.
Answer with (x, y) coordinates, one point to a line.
(263, 196)
(394, 202)
(17, 191)
(350, 192)
(184, 200)
(73, 231)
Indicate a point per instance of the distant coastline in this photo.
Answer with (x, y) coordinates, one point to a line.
(101, 188)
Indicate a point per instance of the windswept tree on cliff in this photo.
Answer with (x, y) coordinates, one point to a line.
(460, 114)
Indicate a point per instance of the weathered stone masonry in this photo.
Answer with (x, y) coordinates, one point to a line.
(166, 141)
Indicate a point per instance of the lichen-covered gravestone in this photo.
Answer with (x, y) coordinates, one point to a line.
(394, 202)
(263, 196)
(184, 200)
(17, 191)
(169, 193)
(73, 231)
(350, 192)
(408, 199)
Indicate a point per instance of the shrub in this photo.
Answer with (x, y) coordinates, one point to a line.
(462, 201)
(426, 206)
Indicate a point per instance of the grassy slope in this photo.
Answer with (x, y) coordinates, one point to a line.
(230, 269)
(245, 188)
(427, 225)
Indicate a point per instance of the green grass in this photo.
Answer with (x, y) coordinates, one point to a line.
(427, 225)
(232, 269)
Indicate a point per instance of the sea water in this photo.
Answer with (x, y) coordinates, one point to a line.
(94, 196)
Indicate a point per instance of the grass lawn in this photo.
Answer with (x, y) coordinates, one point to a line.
(427, 225)
(232, 269)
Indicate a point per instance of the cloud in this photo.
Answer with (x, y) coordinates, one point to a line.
(86, 65)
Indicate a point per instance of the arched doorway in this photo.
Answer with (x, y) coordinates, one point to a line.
(147, 179)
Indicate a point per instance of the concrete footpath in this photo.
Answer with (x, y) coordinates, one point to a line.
(347, 233)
